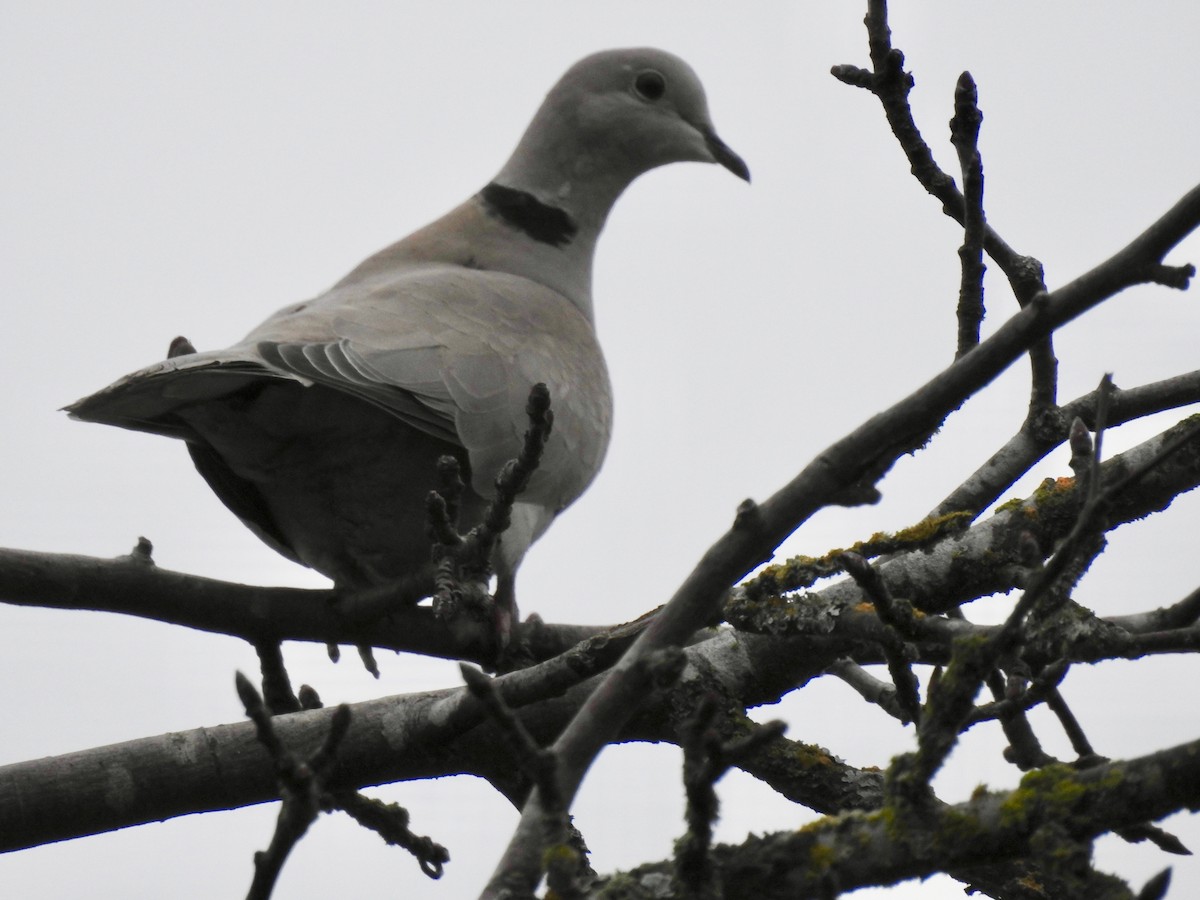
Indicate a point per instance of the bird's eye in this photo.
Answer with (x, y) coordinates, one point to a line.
(650, 85)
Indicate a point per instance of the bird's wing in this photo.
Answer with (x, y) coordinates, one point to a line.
(454, 352)
(449, 350)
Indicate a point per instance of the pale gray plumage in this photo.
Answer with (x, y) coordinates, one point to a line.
(321, 428)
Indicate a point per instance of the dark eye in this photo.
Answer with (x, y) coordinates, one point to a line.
(650, 85)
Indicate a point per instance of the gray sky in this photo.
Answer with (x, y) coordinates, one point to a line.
(188, 168)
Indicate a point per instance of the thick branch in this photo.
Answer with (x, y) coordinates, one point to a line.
(883, 848)
(439, 733)
(260, 615)
(984, 560)
(1029, 445)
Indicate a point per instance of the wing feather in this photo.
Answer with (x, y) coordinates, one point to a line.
(450, 351)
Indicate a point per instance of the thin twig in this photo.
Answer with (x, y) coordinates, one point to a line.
(706, 757)
(463, 563)
(514, 477)
(964, 134)
(562, 856)
(390, 821)
(300, 786)
(891, 85)
(1079, 742)
(277, 686)
(873, 690)
(901, 623)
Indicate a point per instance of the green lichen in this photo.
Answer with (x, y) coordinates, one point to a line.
(1053, 490)
(914, 537)
(559, 855)
(959, 825)
(889, 817)
(807, 756)
(1050, 498)
(1007, 505)
(1052, 792)
(821, 856)
(803, 571)
(931, 528)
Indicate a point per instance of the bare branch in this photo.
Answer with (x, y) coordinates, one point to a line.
(1053, 810)
(255, 614)
(706, 758)
(964, 134)
(1031, 444)
(901, 623)
(853, 462)
(301, 786)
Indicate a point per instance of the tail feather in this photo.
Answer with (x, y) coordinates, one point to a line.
(149, 399)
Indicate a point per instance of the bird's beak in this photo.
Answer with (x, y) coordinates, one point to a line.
(726, 157)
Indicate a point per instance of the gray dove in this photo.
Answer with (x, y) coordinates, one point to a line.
(321, 428)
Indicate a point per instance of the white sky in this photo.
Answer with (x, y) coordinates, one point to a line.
(188, 168)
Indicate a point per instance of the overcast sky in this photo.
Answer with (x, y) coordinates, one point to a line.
(188, 168)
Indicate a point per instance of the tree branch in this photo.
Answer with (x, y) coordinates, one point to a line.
(259, 615)
(847, 469)
(1051, 809)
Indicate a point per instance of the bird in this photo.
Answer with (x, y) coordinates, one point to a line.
(322, 428)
